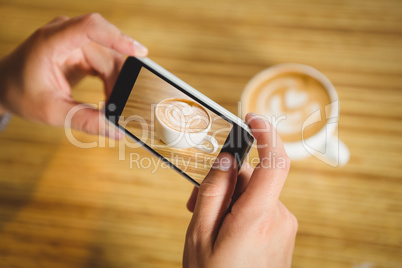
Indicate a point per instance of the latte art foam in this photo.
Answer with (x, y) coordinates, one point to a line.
(289, 98)
(183, 115)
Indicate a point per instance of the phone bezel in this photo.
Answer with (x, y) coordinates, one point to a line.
(125, 84)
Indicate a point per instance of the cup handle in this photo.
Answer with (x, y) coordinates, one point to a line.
(336, 153)
(213, 143)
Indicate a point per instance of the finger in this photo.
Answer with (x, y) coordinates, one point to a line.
(241, 184)
(92, 121)
(242, 180)
(79, 31)
(269, 176)
(268, 140)
(214, 196)
(105, 63)
(192, 200)
(70, 114)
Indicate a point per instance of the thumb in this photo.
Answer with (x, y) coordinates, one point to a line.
(86, 118)
(214, 197)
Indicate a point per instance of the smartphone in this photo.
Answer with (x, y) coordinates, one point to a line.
(174, 121)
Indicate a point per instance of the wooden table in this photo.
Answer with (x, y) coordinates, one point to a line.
(62, 206)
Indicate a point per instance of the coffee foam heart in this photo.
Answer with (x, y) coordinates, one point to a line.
(295, 99)
(183, 115)
(289, 99)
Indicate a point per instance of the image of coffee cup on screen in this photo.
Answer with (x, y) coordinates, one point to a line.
(174, 125)
(183, 124)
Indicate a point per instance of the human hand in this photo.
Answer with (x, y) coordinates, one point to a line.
(258, 231)
(36, 78)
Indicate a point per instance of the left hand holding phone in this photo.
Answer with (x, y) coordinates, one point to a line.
(37, 77)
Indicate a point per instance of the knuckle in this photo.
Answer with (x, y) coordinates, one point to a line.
(62, 18)
(48, 29)
(92, 18)
(291, 223)
(209, 188)
(40, 33)
(265, 223)
(195, 234)
(295, 223)
(288, 220)
(88, 126)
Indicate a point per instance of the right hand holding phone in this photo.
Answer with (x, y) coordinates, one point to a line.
(258, 230)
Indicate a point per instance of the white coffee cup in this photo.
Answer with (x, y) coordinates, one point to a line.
(182, 139)
(324, 145)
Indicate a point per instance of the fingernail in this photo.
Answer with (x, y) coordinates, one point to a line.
(253, 116)
(140, 49)
(250, 117)
(223, 163)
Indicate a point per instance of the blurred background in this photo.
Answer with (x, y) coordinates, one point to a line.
(62, 206)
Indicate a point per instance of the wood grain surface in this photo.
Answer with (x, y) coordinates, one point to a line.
(64, 206)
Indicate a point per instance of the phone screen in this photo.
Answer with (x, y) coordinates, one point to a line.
(174, 125)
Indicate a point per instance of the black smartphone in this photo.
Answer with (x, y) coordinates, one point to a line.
(174, 121)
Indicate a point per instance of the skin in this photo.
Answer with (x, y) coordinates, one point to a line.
(37, 77)
(238, 220)
(258, 230)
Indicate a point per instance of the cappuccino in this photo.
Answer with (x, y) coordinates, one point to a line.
(287, 99)
(182, 115)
